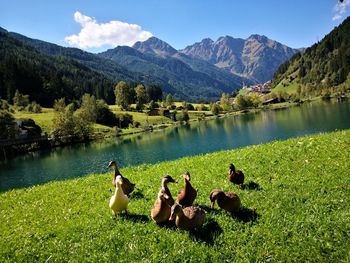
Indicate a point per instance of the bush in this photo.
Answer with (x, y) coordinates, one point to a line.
(190, 106)
(202, 107)
(69, 127)
(215, 108)
(183, 116)
(4, 105)
(7, 126)
(59, 105)
(34, 107)
(104, 115)
(123, 120)
(20, 101)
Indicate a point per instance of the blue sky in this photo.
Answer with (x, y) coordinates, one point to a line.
(95, 25)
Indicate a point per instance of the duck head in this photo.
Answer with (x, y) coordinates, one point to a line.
(168, 179)
(175, 210)
(187, 176)
(112, 165)
(118, 180)
(232, 167)
(214, 195)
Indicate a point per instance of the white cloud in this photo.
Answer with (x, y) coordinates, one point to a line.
(340, 9)
(113, 33)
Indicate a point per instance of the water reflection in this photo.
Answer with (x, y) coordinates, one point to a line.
(201, 137)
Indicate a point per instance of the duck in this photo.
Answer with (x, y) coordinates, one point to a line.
(160, 213)
(187, 194)
(127, 186)
(119, 201)
(164, 189)
(235, 176)
(229, 201)
(187, 218)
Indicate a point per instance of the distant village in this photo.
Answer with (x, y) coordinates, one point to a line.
(260, 88)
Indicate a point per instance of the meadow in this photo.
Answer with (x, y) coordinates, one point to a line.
(296, 208)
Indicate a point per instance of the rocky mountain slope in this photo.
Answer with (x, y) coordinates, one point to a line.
(255, 58)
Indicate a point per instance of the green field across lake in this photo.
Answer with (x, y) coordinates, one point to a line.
(296, 208)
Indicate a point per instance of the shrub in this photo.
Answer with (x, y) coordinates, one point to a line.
(104, 115)
(183, 116)
(123, 120)
(34, 107)
(215, 108)
(7, 126)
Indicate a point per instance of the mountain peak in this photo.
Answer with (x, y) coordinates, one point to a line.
(155, 46)
(207, 40)
(3, 30)
(249, 57)
(260, 38)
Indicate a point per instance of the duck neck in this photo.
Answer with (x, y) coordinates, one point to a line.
(180, 213)
(118, 190)
(116, 172)
(165, 188)
(188, 184)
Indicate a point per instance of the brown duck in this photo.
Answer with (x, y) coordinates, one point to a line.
(187, 218)
(160, 212)
(228, 201)
(187, 195)
(126, 185)
(164, 189)
(235, 176)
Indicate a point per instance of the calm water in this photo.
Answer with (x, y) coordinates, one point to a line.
(199, 138)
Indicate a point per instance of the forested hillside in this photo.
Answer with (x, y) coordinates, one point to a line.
(323, 65)
(46, 78)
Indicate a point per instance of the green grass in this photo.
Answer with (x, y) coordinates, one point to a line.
(302, 203)
(243, 92)
(43, 119)
(290, 89)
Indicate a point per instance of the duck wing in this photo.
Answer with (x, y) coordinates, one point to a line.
(127, 186)
(161, 211)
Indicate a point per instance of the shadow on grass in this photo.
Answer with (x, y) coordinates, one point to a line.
(168, 224)
(208, 233)
(135, 218)
(137, 194)
(246, 215)
(251, 185)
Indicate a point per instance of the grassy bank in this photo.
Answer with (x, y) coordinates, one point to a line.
(296, 208)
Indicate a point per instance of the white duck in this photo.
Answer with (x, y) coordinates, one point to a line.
(119, 201)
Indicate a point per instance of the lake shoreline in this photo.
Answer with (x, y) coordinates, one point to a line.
(7, 154)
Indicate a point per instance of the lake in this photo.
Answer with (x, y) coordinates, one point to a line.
(197, 138)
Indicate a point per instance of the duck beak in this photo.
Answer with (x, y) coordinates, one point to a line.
(212, 203)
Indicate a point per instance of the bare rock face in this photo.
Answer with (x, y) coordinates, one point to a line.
(155, 46)
(255, 58)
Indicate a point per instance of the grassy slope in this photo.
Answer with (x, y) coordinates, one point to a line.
(291, 88)
(303, 208)
(44, 119)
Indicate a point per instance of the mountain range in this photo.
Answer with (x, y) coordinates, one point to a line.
(255, 58)
(201, 72)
